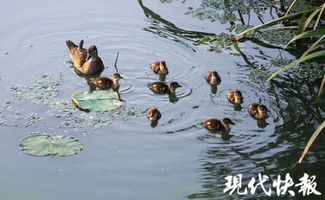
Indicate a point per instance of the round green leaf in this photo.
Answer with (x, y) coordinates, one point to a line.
(36, 145)
(43, 145)
(101, 100)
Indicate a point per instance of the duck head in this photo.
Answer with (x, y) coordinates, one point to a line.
(162, 66)
(92, 51)
(153, 114)
(117, 77)
(238, 97)
(173, 86)
(226, 122)
(262, 109)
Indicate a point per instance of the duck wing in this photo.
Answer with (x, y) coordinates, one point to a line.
(102, 82)
(159, 87)
(212, 124)
(93, 67)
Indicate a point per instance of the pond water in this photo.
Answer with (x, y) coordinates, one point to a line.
(123, 156)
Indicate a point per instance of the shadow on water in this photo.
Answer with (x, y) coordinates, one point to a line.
(170, 30)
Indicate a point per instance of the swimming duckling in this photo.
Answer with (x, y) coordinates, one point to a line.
(235, 97)
(215, 125)
(153, 114)
(159, 68)
(105, 83)
(213, 78)
(259, 111)
(94, 66)
(77, 53)
(163, 88)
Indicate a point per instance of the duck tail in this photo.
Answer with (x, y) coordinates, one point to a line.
(70, 44)
(81, 43)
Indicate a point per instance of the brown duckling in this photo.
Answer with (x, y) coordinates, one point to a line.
(259, 111)
(153, 114)
(105, 83)
(215, 125)
(159, 68)
(163, 88)
(213, 78)
(94, 65)
(77, 53)
(235, 97)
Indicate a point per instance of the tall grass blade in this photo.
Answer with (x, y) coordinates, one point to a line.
(310, 18)
(290, 7)
(314, 46)
(302, 21)
(319, 16)
(294, 63)
(311, 141)
(307, 34)
(322, 87)
(270, 23)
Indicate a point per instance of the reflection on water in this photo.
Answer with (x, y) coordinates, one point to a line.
(124, 157)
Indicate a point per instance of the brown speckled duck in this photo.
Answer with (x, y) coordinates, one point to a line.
(163, 88)
(93, 66)
(77, 53)
(259, 111)
(235, 97)
(213, 78)
(153, 114)
(159, 68)
(105, 83)
(215, 125)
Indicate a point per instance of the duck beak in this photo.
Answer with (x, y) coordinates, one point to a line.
(121, 77)
(231, 122)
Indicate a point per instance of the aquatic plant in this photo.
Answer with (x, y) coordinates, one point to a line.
(44, 89)
(101, 100)
(44, 145)
(314, 51)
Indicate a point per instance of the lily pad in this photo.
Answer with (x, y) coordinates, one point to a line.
(44, 145)
(101, 100)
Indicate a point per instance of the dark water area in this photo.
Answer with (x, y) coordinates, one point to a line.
(123, 156)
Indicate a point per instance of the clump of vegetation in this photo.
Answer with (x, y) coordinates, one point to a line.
(45, 90)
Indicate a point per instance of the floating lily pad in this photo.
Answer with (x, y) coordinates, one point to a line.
(101, 100)
(44, 145)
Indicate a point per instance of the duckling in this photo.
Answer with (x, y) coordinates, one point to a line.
(153, 114)
(93, 66)
(235, 97)
(77, 53)
(159, 68)
(215, 125)
(105, 83)
(213, 78)
(259, 111)
(163, 88)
